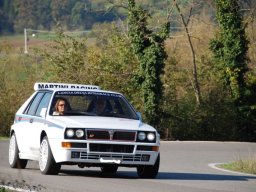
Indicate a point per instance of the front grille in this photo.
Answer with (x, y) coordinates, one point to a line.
(130, 158)
(98, 134)
(124, 136)
(94, 147)
(115, 135)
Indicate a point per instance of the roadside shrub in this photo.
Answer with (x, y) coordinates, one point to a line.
(17, 76)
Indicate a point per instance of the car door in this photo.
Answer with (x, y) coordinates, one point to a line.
(24, 131)
(35, 123)
(39, 123)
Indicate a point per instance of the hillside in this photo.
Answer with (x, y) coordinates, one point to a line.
(15, 15)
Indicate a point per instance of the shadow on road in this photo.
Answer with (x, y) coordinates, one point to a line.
(202, 176)
(99, 174)
(160, 176)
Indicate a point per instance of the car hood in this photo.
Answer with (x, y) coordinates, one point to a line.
(100, 122)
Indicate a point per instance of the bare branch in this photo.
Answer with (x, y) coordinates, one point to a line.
(170, 11)
(124, 28)
(189, 16)
(250, 17)
(195, 82)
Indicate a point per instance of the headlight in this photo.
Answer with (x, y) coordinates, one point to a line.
(146, 136)
(70, 133)
(79, 133)
(74, 133)
(151, 136)
(142, 136)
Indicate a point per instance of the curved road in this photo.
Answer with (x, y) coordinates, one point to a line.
(184, 168)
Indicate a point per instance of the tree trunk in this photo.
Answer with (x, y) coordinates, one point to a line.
(195, 82)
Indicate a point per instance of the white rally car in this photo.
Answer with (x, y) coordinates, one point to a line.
(82, 136)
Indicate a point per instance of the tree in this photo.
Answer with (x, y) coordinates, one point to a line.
(61, 12)
(77, 14)
(195, 81)
(148, 46)
(26, 14)
(66, 59)
(114, 62)
(6, 16)
(44, 14)
(230, 48)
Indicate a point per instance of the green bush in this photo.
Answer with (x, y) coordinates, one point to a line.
(17, 74)
(2, 189)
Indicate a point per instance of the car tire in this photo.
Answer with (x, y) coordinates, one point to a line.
(14, 159)
(47, 164)
(149, 171)
(109, 169)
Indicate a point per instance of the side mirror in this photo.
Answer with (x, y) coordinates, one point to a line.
(43, 112)
(139, 115)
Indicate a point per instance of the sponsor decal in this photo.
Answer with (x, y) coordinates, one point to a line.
(88, 93)
(19, 119)
(39, 86)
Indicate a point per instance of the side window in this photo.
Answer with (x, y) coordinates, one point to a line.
(33, 105)
(44, 103)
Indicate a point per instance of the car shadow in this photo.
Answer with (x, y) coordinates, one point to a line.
(99, 174)
(160, 176)
(202, 176)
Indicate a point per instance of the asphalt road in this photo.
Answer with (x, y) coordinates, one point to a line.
(184, 168)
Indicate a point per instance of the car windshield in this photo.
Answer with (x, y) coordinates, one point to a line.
(90, 103)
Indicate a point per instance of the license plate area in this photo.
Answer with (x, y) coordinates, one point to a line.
(110, 160)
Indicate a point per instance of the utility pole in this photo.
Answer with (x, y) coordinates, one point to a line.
(26, 41)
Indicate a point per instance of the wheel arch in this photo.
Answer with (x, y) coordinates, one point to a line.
(12, 132)
(43, 134)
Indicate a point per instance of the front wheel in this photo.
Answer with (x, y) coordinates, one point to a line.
(149, 171)
(47, 164)
(14, 159)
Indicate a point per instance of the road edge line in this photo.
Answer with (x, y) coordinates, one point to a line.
(15, 189)
(214, 166)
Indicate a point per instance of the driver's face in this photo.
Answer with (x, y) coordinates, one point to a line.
(61, 106)
(100, 106)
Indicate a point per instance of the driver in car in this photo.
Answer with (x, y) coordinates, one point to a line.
(60, 107)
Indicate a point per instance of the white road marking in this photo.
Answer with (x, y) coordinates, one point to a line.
(15, 189)
(214, 166)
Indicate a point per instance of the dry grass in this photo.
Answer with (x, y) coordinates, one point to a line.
(242, 165)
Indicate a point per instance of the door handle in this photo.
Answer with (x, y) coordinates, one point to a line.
(31, 120)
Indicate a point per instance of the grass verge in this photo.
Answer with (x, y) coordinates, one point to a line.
(17, 185)
(3, 189)
(3, 138)
(244, 166)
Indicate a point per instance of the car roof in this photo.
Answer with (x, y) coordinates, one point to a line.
(69, 87)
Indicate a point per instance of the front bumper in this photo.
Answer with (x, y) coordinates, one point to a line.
(99, 152)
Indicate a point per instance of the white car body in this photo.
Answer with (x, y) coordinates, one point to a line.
(92, 149)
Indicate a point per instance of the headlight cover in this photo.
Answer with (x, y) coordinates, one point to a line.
(70, 133)
(146, 137)
(151, 136)
(141, 136)
(79, 133)
(74, 133)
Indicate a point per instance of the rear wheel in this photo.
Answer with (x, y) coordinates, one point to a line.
(149, 171)
(14, 160)
(47, 164)
(109, 169)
